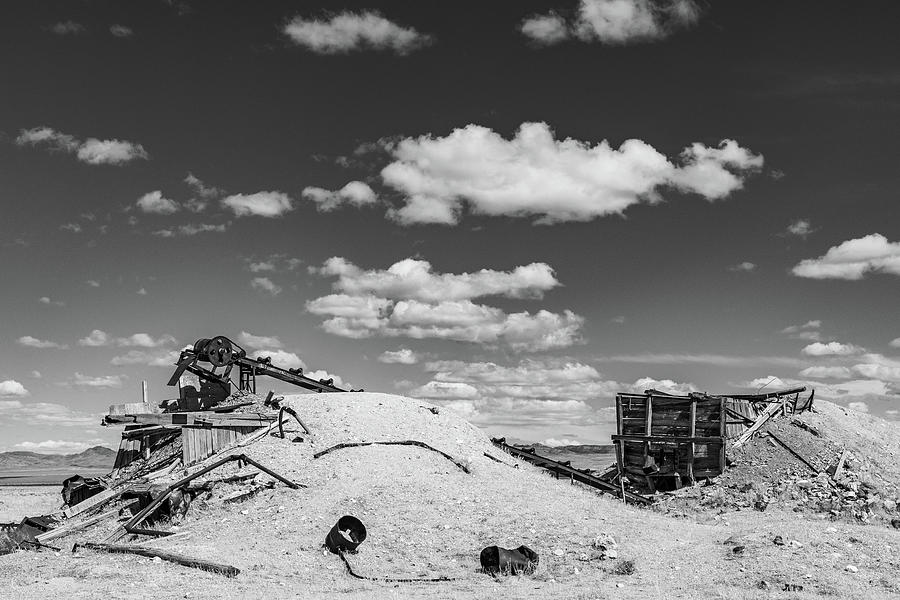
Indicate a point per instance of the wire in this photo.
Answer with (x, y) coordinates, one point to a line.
(389, 579)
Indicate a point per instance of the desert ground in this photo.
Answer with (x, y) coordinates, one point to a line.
(427, 518)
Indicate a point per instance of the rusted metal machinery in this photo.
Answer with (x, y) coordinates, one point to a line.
(222, 355)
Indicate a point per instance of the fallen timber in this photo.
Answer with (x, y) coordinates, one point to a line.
(187, 561)
(574, 474)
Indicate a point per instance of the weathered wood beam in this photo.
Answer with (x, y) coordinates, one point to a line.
(187, 561)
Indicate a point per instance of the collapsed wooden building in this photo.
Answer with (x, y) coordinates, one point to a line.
(664, 441)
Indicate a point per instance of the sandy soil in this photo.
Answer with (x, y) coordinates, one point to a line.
(428, 518)
(17, 501)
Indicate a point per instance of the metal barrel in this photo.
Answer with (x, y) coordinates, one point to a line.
(346, 535)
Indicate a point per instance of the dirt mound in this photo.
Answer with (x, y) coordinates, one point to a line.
(789, 464)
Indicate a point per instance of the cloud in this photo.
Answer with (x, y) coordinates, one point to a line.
(45, 414)
(67, 28)
(808, 331)
(33, 342)
(403, 356)
(824, 372)
(534, 174)
(97, 337)
(190, 229)
(259, 341)
(663, 385)
(153, 202)
(73, 227)
(410, 300)
(145, 340)
(853, 259)
(60, 446)
(355, 193)
(615, 22)
(878, 366)
(273, 263)
(445, 390)
(350, 31)
(546, 29)
(858, 406)
(412, 279)
(47, 301)
(264, 284)
(260, 204)
(121, 31)
(800, 228)
(91, 151)
(150, 358)
(141, 292)
(93, 283)
(462, 320)
(831, 349)
(281, 358)
(325, 375)
(203, 193)
(895, 343)
(102, 381)
(109, 152)
(11, 388)
(745, 267)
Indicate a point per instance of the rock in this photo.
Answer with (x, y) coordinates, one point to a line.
(889, 505)
(605, 547)
(795, 544)
(778, 541)
(851, 569)
(559, 552)
(895, 523)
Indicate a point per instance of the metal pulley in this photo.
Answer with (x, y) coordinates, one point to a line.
(217, 351)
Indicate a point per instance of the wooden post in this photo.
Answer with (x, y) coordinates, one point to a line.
(722, 433)
(690, 467)
(145, 392)
(648, 426)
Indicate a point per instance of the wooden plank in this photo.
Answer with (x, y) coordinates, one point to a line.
(771, 411)
(693, 433)
(68, 528)
(186, 561)
(670, 439)
(94, 500)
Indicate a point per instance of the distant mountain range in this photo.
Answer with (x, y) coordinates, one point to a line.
(579, 449)
(98, 457)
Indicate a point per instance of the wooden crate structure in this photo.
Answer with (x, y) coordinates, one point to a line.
(660, 435)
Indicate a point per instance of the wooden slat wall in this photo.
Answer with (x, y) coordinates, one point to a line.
(742, 407)
(201, 442)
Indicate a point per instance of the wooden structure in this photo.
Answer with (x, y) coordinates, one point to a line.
(663, 440)
(661, 437)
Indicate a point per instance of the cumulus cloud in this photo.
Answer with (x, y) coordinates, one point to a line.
(45, 414)
(92, 151)
(403, 356)
(321, 375)
(409, 300)
(831, 349)
(260, 204)
(546, 29)
(662, 385)
(259, 341)
(858, 406)
(11, 388)
(281, 358)
(264, 284)
(463, 320)
(33, 342)
(414, 279)
(853, 259)
(878, 366)
(348, 31)
(614, 22)
(153, 202)
(102, 381)
(355, 193)
(895, 343)
(97, 337)
(533, 174)
(808, 331)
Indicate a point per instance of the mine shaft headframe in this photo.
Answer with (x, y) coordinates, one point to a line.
(221, 352)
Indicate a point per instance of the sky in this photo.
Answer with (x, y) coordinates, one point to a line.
(514, 210)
